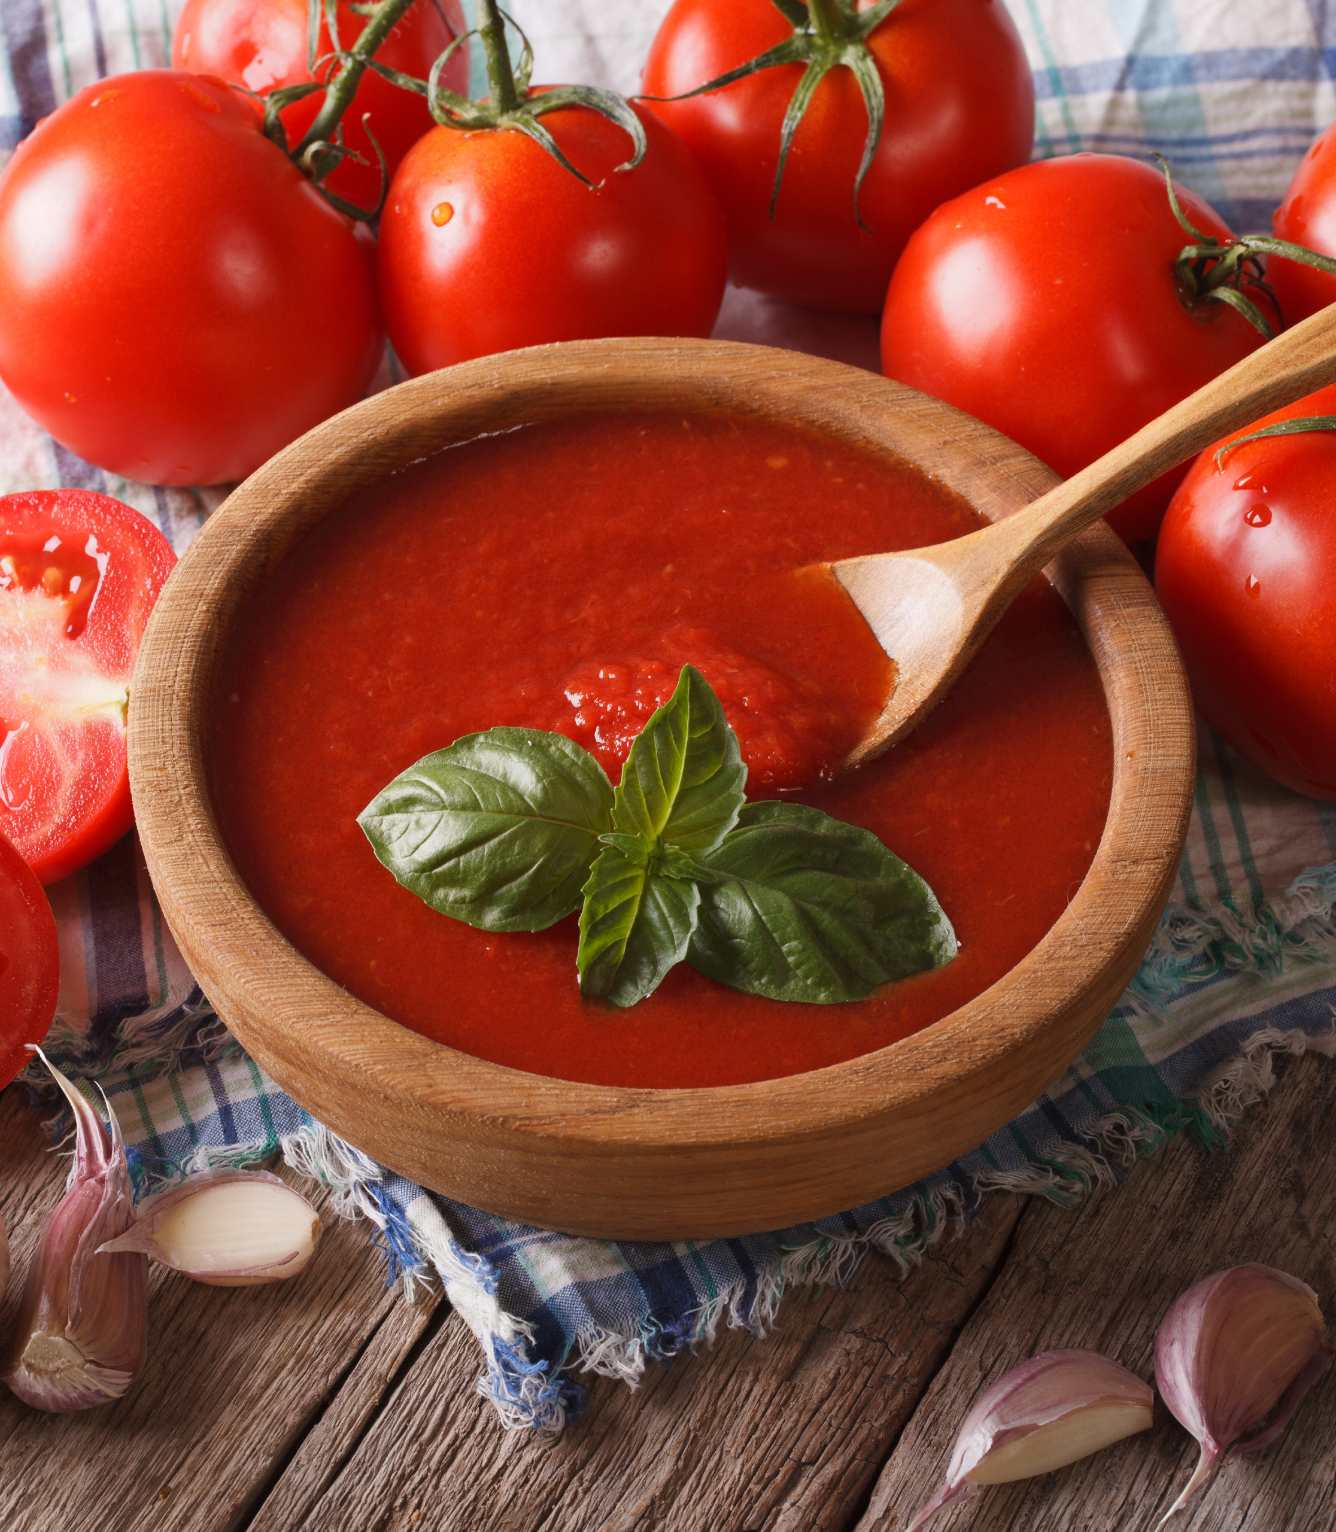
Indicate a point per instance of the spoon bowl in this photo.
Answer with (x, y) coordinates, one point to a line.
(931, 608)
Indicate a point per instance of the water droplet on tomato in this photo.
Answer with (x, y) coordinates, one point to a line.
(441, 214)
(71, 398)
(1257, 515)
(993, 201)
(1253, 585)
(1243, 480)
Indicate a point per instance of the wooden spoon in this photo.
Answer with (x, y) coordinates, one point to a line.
(931, 608)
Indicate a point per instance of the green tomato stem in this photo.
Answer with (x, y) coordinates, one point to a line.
(500, 75)
(342, 88)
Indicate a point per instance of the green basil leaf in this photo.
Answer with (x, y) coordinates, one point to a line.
(635, 923)
(799, 906)
(498, 830)
(683, 779)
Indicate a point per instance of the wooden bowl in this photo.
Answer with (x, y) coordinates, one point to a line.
(639, 1163)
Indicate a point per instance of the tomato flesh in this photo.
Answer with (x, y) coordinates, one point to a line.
(29, 962)
(79, 573)
(790, 733)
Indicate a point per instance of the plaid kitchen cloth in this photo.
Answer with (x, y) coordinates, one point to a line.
(1242, 968)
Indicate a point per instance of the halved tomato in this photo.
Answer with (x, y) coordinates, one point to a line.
(29, 964)
(79, 573)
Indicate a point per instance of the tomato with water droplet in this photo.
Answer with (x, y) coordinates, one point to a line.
(79, 573)
(1251, 591)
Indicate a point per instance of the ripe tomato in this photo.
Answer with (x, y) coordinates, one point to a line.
(1045, 303)
(79, 573)
(262, 44)
(1307, 217)
(29, 962)
(959, 108)
(487, 243)
(1246, 569)
(177, 301)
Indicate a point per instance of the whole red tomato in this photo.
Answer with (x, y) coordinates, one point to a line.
(177, 301)
(1045, 302)
(29, 964)
(487, 243)
(262, 44)
(1246, 569)
(959, 108)
(1307, 217)
(79, 573)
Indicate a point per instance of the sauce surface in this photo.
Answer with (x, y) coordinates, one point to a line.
(557, 576)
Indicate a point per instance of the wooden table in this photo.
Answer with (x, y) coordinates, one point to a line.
(330, 1403)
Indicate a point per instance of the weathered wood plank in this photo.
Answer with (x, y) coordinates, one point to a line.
(234, 1380)
(783, 1433)
(1101, 1278)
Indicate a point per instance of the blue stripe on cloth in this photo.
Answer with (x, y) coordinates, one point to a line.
(1152, 72)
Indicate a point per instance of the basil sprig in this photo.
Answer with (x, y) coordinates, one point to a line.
(514, 829)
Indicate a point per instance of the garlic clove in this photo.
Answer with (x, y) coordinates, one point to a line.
(80, 1335)
(1234, 1357)
(229, 1228)
(1042, 1415)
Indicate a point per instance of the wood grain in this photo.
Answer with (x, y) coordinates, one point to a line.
(784, 1432)
(333, 1405)
(234, 1380)
(651, 1163)
(1101, 1278)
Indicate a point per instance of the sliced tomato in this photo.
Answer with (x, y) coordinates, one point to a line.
(79, 573)
(29, 964)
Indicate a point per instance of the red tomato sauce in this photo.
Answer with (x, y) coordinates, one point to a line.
(557, 576)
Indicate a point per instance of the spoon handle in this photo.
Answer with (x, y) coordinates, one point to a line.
(1285, 369)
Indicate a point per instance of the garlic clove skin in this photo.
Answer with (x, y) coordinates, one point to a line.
(228, 1228)
(1042, 1415)
(79, 1340)
(1234, 1357)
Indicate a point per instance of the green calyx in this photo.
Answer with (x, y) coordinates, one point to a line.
(827, 35)
(335, 74)
(1231, 271)
(512, 104)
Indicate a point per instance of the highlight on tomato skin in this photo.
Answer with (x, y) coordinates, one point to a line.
(79, 574)
(262, 45)
(487, 244)
(177, 300)
(1246, 571)
(29, 962)
(959, 107)
(1045, 303)
(1307, 217)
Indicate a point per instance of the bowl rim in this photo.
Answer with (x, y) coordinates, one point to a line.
(235, 949)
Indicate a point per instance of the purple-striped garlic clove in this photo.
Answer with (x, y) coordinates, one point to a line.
(1042, 1415)
(1234, 1357)
(80, 1336)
